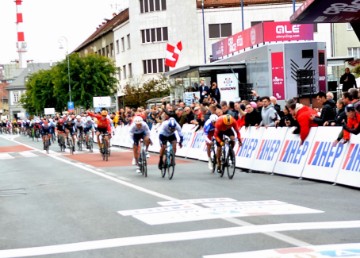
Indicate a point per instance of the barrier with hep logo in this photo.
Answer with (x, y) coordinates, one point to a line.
(276, 150)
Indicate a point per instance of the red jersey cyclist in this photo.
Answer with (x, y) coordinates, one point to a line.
(225, 125)
(103, 127)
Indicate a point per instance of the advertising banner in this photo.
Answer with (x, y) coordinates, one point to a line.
(49, 111)
(269, 150)
(102, 102)
(246, 154)
(228, 85)
(292, 158)
(285, 31)
(277, 69)
(349, 172)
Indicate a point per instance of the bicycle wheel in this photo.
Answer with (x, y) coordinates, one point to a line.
(91, 144)
(163, 170)
(231, 163)
(213, 158)
(223, 162)
(106, 151)
(171, 164)
(71, 145)
(80, 143)
(143, 163)
(62, 144)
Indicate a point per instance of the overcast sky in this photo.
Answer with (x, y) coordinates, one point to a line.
(46, 21)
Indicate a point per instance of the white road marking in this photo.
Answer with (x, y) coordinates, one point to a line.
(28, 154)
(6, 156)
(172, 237)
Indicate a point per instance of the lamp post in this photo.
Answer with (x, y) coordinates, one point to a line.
(203, 23)
(61, 42)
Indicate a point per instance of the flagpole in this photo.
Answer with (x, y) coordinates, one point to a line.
(294, 2)
(242, 14)
(204, 39)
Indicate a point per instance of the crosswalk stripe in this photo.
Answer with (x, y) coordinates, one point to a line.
(6, 156)
(28, 154)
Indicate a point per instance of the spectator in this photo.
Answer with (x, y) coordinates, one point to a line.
(277, 107)
(232, 111)
(252, 117)
(211, 110)
(347, 80)
(340, 117)
(189, 115)
(303, 115)
(328, 110)
(355, 130)
(353, 121)
(268, 113)
(287, 119)
(224, 107)
(204, 90)
(329, 95)
(215, 92)
(180, 116)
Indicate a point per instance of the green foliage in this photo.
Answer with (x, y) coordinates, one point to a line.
(136, 95)
(356, 70)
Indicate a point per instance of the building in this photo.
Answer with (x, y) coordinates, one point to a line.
(17, 87)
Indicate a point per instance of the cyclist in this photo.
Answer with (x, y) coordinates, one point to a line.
(79, 126)
(70, 129)
(139, 130)
(45, 131)
(167, 134)
(209, 129)
(88, 128)
(36, 127)
(225, 125)
(103, 127)
(60, 129)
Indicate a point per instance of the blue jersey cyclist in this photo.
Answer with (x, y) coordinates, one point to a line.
(139, 130)
(167, 134)
(209, 129)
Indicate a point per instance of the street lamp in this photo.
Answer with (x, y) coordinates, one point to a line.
(61, 42)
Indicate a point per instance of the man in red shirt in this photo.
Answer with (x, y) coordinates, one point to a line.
(103, 126)
(304, 116)
(225, 125)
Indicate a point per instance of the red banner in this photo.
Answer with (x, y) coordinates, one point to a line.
(277, 68)
(285, 31)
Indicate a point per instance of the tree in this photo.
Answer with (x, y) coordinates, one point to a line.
(90, 76)
(356, 70)
(136, 95)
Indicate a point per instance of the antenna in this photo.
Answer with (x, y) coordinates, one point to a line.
(20, 44)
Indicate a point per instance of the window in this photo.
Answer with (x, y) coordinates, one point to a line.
(220, 30)
(315, 27)
(119, 73)
(124, 71)
(107, 50)
(253, 23)
(130, 70)
(154, 35)
(154, 66)
(152, 5)
(122, 44)
(354, 52)
(117, 47)
(111, 49)
(128, 40)
(16, 96)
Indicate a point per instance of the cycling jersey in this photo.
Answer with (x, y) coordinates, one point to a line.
(221, 128)
(166, 131)
(209, 130)
(102, 123)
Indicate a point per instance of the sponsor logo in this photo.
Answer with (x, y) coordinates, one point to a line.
(187, 138)
(337, 8)
(240, 41)
(278, 81)
(198, 140)
(324, 154)
(352, 160)
(253, 36)
(248, 147)
(287, 29)
(268, 148)
(293, 152)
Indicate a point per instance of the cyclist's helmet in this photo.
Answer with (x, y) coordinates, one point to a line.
(69, 119)
(172, 123)
(228, 120)
(104, 113)
(138, 120)
(213, 118)
(350, 107)
(88, 119)
(78, 117)
(61, 121)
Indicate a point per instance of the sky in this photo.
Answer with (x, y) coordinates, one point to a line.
(45, 22)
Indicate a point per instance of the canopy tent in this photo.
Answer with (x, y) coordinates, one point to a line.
(329, 11)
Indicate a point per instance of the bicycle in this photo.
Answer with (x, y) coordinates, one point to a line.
(227, 159)
(169, 162)
(61, 140)
(80, 141)
(104, 147)
(70, 143)
(213, 155)
(46, 142)
(90, 142)
(142, 158)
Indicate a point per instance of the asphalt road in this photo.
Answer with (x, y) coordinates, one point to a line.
(62, 205)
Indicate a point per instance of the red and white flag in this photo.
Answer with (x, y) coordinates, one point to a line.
(172, 54)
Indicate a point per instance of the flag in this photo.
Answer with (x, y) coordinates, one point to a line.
(172, 54)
